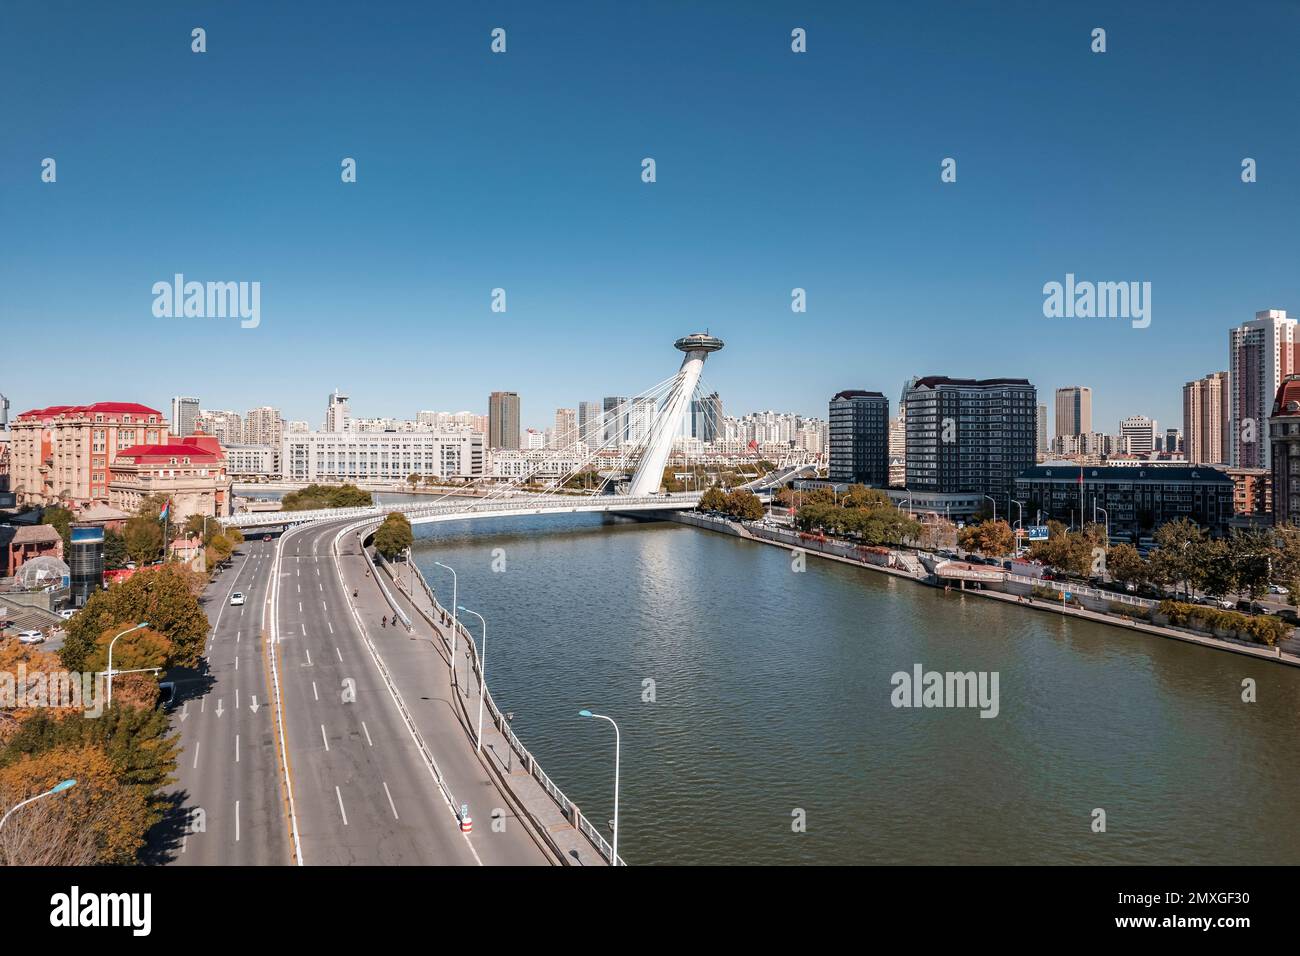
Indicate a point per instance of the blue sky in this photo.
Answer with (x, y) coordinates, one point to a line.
(522, 171)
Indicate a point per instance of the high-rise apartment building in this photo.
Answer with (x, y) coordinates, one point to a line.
(263, 426)
(1205, 420)
(1261, 353)
(589, 430)
(859, 435)
(1040, 442)
(1074, 410)
(227, 427)
(641, 417)
(503, 420)
(185, 413)
(614, 410)
(566, 428)
(706, 416)
(337, 412)
(970, 435)
(1140, 432)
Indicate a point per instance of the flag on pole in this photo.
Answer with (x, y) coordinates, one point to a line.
(1081, 474)
(167, 507)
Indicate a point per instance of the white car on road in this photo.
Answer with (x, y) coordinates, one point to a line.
(31, 637)
(237, 598)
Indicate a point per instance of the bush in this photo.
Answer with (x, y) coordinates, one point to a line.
(1262, 629)
(1135, 611)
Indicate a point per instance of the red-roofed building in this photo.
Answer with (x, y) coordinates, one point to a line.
(65, 454)
(191, 471)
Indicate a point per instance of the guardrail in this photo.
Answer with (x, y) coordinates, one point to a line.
(526, 758)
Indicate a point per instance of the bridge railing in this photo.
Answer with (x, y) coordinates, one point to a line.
(525, 757)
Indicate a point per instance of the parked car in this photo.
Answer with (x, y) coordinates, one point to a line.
(31, 637)
(1277, 589)
(167, 694)
(237, 599)
(266, 537)
(67, 613)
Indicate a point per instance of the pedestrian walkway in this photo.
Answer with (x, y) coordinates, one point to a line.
(512, 767)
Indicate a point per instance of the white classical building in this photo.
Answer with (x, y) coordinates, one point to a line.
(381, 456)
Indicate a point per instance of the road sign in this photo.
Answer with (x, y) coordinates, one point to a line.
(1038, 532)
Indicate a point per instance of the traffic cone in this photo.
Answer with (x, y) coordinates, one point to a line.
(466, 823)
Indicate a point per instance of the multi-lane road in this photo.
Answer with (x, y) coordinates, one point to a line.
(360, 786)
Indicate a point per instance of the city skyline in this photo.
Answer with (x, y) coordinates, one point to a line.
(377, 283)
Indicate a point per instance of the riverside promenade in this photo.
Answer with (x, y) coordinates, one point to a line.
(570, 837)
(1282, 655)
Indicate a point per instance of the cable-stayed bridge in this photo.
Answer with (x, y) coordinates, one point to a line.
(629, 446)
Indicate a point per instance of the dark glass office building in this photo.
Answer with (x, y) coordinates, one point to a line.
(859, 432)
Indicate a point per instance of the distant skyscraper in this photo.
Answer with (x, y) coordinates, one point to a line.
(1074, 410)
(588, 423)
(1173, 440)
(641, 420)
(337, 413)
(706, 416)
(185, 412)
(566, 428)
(859, 429)
(226, 427)
(503, 420)
(614, 412)
(1205, 420)
(1260, 354)
(1140, 432)
(970, 435)
(1040, 449)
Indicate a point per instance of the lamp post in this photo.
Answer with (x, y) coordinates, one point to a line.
(453, 619)
(995, 506)
(57, 788)
(110, 657)
(482, 676)
(1105, 514)
(617, 757)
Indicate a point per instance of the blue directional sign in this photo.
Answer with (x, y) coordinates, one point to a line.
(1038, 532)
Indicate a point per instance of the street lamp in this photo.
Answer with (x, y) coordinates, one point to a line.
(617, 750)
(57, 788)
(453, 620)
(1107, 516)
(482, 676)
(995, 506)
(110, 657)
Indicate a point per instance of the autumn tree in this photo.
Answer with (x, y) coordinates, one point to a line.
(992, 538)
(394, 535)
(713, 499)
(1125, 564)
(164, 597)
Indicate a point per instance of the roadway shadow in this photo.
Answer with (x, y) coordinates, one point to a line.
(163, 841)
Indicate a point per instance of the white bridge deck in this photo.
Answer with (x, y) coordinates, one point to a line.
(420, 513)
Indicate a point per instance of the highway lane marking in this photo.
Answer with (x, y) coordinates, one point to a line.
(236, 662)
(391, 805)
(314, 695)
(324, 607)
(299, 607)
(339, 653)
(236, 698)
(197, 745)
(236, 821)
(319, 585)
(308, 652)
(323, 737)
(237, 636)
(331, 626)
(341, 810)
(367, 730)
(236, 748)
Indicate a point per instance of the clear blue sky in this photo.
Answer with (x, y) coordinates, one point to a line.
(522, 171)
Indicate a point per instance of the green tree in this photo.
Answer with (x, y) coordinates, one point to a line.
(60, 519)
(393, 536)
(713, 499)
(313, 497)
(161, 596)
(143, 537)
(1125, 564)
(115, 554)
(413, 479)
(744, 505)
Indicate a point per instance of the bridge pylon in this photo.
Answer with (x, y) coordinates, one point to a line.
(649, 473)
